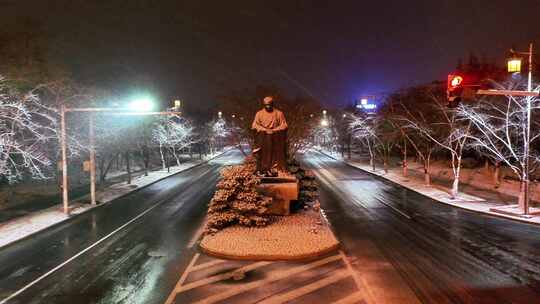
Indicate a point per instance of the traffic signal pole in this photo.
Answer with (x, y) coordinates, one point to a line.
(524, 201)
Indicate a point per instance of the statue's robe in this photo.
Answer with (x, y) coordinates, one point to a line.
(271, 149)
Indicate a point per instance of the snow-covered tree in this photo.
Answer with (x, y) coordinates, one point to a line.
(447, 131)
(501, 132)
(413, 106)
(26, 127)
(377, 132)
(173, 133)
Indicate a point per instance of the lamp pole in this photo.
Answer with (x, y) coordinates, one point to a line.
(92, 160)
(528, 99)
(524, 198)
(64, 159)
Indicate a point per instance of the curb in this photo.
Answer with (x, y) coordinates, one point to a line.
(74, 216)
(497, 215)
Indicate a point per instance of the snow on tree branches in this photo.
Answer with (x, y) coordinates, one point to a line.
(26, 126)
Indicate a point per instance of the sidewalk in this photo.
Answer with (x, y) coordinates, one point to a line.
(470, 197)
(22, 227)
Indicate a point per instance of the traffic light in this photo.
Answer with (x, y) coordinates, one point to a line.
(454, 90)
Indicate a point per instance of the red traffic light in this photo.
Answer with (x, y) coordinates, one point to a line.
(454, 81)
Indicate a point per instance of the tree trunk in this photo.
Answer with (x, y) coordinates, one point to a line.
(405, 164)
(385, 165)
(167, 161)
(162, 156)
(176, 157)
(427, 175)
(455, 184)
(523, 195)
(372, 162)
(146, 160)
(128, 168)
(496, 175)
(486, 165)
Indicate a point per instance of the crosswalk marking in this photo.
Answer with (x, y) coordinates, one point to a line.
(296, 293)
(271, 277)
(221, 277)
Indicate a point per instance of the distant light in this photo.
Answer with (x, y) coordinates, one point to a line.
(363, 101)
(324, 112)
(359, 106)
(370, 106)
(219, 114)
(141, 104)
(177, 104)
(514, 65)
(311, 115)
(324, 123)
(233, 116)
(344, 115)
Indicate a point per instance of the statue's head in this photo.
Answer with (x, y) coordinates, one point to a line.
(268, 103)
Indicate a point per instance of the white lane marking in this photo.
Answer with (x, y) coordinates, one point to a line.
(394, 208)
(368, 296)
(77, 255)
(350, 299)
(197, 234)
(272, 276)
(183, 278)
(296, 293)
(207, 264)
(221, 277)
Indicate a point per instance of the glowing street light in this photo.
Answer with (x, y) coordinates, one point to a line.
(177, 104)
(514, 65)
(324, 122)
(142, 104)
(220, 114)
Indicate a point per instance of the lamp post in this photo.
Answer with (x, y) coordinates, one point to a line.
(514, 66)
(137, 107)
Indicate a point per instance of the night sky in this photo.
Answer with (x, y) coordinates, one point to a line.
(332, 50)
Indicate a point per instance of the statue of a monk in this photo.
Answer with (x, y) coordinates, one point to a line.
(271, 138)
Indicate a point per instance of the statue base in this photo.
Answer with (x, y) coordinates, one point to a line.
(281, 190)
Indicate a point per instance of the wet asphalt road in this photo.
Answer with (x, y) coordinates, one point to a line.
(443, 254)
(422, 250)
(138, 264)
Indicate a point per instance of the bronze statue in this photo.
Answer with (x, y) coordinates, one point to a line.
(271, 139)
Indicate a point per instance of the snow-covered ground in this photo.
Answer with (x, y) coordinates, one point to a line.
(22, 227)
(481, 197)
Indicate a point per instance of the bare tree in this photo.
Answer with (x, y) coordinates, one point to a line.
(173, 133)
(501, 133)
(448, 131)
(413, 107)
(26, 127)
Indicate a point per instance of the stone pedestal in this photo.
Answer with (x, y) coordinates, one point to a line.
(282, 190)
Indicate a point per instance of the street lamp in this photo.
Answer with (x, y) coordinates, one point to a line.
(514, 65)
(141, 104)
(220, 114)
(324, 122)
(177, 104)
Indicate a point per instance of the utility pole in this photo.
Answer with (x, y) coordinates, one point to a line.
(64, 159)
(92, 161)
(524, 200)
(525, 203)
